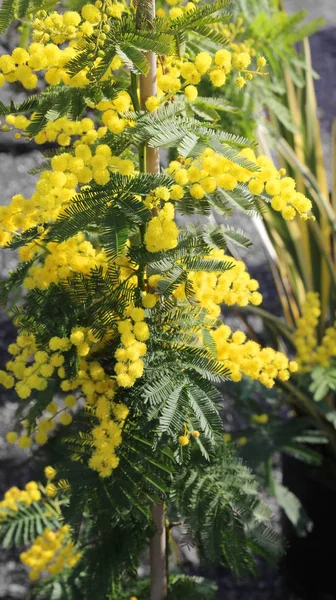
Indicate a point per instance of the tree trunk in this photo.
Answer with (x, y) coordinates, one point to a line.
(157, 546)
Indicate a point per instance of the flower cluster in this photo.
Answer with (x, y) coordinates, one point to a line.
(63, 130)
(327, 349)
(54, 30)
(240, 44)
(46, 363)
(176, 73)
(246, 357)
(134, 332)
(233, 286)
(284, 197)
(28, 378)
(53, 551)
(157, 196)
(91, 380)
(184, 439)
(14, 498)
(71, 25)
(305, 336)
(211, 170)
(75, 255)
(59, 28)
(162, 232)
(112, 112)
(107, 437)
(22, 66)
(54, 192)
(309, 351)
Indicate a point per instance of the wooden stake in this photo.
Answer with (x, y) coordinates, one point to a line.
(157, 546)
(157, 551)
(147, 89)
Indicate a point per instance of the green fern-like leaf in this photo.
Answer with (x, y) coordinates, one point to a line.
(28, 522)
(7, 10)
(114, 233)
(223, 514)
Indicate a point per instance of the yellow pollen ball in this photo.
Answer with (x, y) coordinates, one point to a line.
(191, 92)
(11, 437)
(261, 62)
(217, 77)
(183, 440)
(91, 13)
(152, 103)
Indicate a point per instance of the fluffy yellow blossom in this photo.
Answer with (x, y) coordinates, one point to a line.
(91, 13)
(53, 551)
(240, 81)
(260, 419)
(217, 77)
(51, 490)
(241, 60)
(14, 498)
(305, 335)
(203, 62)
(152, 103)
(162, 232)
(223, 60)
(191, 92)
(134, 332)
(309, 351)
(107, 436)
(175, 13)
(233, 286)
(11, 437)
(50, 473)
(246, 357)
(261, 62)
(149, 300)
(183, 440)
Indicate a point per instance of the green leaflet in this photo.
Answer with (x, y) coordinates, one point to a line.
(7, 9)
(114, 233)
(22, 527)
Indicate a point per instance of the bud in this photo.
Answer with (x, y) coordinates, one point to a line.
(50, 473)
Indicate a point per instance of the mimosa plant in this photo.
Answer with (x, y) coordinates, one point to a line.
(120, 343)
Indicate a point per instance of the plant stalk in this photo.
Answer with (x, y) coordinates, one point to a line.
(147, 89)
(149, 159)
(158, 551)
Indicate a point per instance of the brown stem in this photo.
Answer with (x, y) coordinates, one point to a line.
(147, 89)
(157, 550)
(157, 545)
